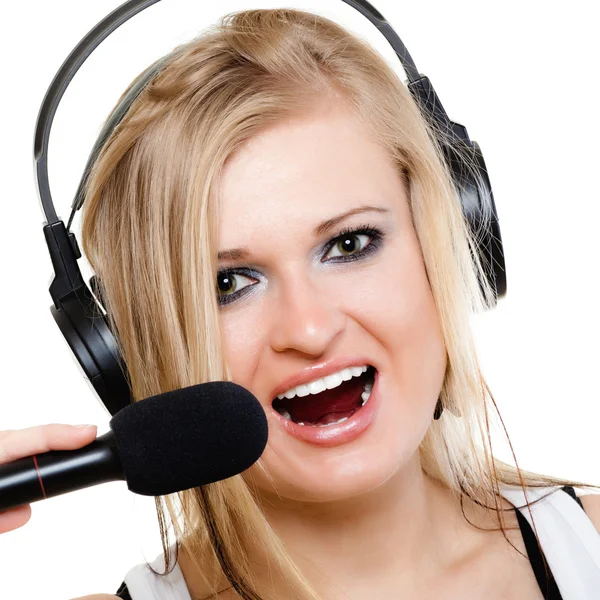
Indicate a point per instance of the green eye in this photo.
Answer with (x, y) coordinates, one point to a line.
(231, 284)
(348, 244)
(225, 283)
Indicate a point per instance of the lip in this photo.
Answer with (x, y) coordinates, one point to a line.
(336, 435)
(317, 372)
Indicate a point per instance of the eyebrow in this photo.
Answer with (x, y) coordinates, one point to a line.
(319, 230)
(326, 226)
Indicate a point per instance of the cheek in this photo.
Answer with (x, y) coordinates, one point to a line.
(393, 295)
(393, 303)
(242, 337)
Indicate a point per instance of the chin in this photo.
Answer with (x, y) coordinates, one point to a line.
(346, 481)
(321, 475)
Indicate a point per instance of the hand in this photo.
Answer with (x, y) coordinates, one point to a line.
(19, 443)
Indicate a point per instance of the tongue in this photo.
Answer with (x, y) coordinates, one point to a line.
(328, 406)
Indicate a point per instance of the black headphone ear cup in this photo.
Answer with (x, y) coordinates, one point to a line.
(470, 176)
(86, 330)
(494, 246)
(468, 170)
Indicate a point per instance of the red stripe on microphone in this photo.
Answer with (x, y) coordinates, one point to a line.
(37, 470)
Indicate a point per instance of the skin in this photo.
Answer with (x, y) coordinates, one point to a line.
(361, 518)
(307, 309)
(302, 309)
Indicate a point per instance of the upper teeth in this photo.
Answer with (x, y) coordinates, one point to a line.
(325, 383)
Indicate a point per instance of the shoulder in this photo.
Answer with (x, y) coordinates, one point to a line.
(591, 504)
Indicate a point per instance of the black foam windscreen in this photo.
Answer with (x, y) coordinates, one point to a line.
(189, 437)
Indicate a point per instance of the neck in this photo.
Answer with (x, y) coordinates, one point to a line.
(387, 542)
(392, 533)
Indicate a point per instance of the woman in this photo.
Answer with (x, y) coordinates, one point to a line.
(283, 157)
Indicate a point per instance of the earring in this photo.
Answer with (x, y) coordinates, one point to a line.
(439, 408)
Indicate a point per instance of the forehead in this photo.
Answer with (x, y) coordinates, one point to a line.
(303, 170)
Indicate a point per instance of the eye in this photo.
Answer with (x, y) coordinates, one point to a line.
(352, 243)
(231, 284)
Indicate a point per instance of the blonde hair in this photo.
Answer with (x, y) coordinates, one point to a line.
(149, 233)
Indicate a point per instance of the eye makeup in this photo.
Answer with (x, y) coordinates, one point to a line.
(345, 242)
(351, 234)
(228, 277)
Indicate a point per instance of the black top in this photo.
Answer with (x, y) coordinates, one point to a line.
(123, 592)
(544, 576)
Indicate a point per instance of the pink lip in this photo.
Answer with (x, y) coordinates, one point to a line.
(335, 435)
(317, 372)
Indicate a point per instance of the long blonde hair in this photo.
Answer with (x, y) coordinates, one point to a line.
(149, 233)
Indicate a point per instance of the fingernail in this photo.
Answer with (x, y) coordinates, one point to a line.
(84, 426)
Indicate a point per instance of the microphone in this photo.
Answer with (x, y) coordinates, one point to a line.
(164, 444)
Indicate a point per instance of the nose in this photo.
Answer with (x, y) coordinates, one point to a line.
(304, 318)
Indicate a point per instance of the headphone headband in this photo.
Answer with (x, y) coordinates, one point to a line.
(93, 39)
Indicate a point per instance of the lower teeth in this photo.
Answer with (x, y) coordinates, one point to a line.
(367, 393)
(334, 423)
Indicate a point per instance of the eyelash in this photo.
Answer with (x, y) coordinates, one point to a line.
(375, 234)
(373, 245)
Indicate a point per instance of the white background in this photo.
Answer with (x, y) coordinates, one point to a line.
(522, 75)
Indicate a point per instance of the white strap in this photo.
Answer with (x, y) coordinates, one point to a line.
(143, 584)
(568, 538)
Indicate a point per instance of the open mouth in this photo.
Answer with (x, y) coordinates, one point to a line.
(349, 390)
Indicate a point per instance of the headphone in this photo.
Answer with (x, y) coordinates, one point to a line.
(78, 309)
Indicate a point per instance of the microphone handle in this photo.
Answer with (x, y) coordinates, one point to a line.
(57, 472)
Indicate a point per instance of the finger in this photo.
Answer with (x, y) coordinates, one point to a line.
(14, 518)
(18, 443)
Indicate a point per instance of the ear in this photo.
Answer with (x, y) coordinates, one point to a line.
(591, 504)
